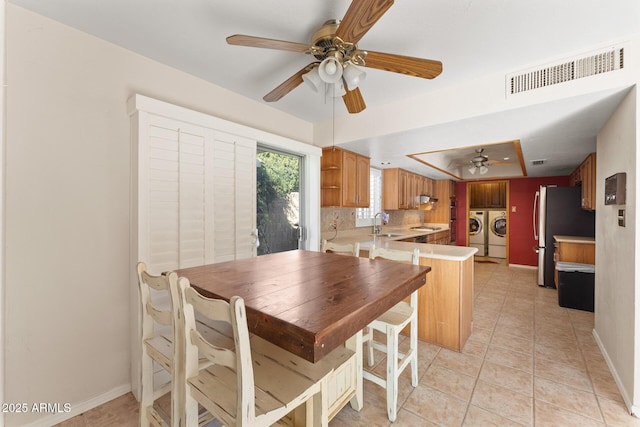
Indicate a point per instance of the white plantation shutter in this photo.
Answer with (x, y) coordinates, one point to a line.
(245, 191)
(196, 194)
(364, 216)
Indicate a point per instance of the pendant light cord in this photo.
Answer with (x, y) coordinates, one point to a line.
(333, 126)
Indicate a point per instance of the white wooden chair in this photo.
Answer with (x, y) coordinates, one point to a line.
(161, 405)
(157, 346)
(253, 383)
(352, 249)
(391, 323)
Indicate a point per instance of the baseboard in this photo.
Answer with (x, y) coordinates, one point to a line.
(529, 267)
(633, 410)
(80, 407)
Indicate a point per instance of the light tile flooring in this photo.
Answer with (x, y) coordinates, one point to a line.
(528, 362)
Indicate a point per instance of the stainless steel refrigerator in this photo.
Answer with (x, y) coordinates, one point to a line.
(558, 211)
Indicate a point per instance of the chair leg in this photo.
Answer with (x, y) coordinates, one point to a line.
(414, 351)
(146, 397)
(369, 334)
(392, 373)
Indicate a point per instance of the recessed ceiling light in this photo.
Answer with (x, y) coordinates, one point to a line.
(506, 158)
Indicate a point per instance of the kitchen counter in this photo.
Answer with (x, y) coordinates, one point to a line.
(573, 249)
(427, 250)
(575, 239)
(445, 303)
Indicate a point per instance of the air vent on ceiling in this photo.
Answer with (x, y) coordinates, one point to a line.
(538, 162)
(567, 70)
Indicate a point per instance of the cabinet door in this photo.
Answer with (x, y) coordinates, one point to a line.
(476, 196)
(362, 182)
(496, 195)
(588, 176)
(349, 179)
(403, 184)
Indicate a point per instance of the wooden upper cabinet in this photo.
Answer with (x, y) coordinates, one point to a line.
(344, 179)
(487, 195)
(441, 213)
(402, 189)
(585, 177)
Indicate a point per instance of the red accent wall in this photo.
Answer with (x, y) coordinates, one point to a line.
(521, 194)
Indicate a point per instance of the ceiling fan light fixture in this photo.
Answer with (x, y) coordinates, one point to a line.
(330, 70)
(313, 80)
(483, 170)
(353, 75)
(472, 170)
(336, 90)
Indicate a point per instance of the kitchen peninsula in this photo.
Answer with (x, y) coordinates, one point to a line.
(445, 303)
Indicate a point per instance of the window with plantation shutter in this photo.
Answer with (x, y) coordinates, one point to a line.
(364, 216)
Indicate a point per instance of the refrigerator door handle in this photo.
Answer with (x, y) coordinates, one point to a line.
(535, 215)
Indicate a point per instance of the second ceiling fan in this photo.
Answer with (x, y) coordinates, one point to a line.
(335, 49)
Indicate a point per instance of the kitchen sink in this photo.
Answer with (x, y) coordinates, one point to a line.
(386, 235)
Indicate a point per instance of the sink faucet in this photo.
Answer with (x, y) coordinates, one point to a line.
(384, 218)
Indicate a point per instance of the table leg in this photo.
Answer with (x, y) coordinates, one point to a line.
(355, 344)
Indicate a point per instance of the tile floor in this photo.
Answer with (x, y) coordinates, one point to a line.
(528, 362)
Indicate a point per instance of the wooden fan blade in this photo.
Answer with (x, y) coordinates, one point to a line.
(354, 101)
(251, 41)
(360, 17)
(417, 67)
(287, 86)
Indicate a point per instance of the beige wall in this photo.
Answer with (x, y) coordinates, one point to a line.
(67, 205)
(617, 301)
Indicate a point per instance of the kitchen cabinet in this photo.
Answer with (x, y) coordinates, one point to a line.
(401, 189)
(439, 238)
(445, 303)
(573, 249)
(344, 179)
(585, 177)
(489, 195)
(441, 213)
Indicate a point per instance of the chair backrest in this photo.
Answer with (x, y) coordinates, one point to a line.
(395, 254)
(160, 310)
(351, 249)
(238, 358)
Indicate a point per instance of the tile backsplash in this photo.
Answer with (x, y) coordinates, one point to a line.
(346, 220)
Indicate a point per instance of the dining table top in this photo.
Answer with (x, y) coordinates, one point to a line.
(309, 302)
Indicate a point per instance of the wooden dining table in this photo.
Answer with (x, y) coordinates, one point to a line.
(309, 302)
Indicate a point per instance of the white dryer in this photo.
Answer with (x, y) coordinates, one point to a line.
(497, 234)
(478, 231)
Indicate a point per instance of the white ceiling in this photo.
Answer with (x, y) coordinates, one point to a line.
(472, 39)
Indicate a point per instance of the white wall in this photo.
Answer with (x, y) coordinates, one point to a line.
(2, 148)
(67, 205)
(617, 299)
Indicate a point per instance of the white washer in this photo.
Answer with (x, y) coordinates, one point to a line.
(478, 231)
(497, 234)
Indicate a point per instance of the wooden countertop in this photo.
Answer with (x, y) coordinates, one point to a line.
(575, 239)
(308, 302)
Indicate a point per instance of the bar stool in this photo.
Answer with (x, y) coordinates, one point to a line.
(391, 323)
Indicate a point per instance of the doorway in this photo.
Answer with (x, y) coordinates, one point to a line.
(279, 201)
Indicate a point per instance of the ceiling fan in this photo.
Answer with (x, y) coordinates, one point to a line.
(335, 49)
(480, 163)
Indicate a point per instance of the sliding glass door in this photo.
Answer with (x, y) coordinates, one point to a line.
(279, 201)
